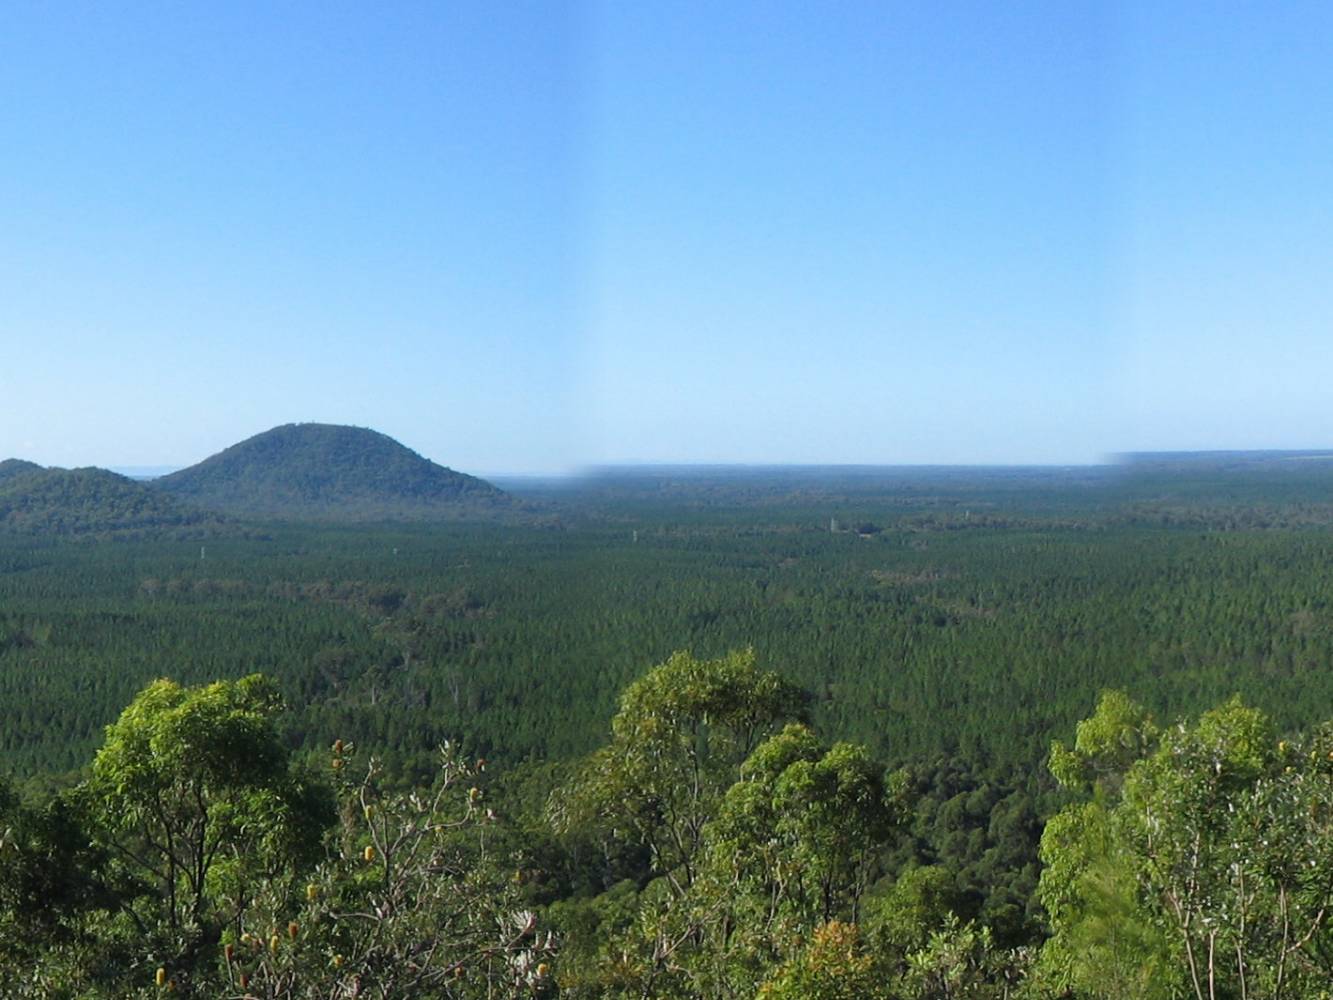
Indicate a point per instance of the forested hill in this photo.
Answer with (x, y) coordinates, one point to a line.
(12, 467)
(329, 472)
(87, 502)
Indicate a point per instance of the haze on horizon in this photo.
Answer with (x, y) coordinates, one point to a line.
(527, 238)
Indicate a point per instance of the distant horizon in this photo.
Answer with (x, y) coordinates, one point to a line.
(150, 470)
(591, 470)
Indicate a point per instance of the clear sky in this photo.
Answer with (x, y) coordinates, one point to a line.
(528, 237)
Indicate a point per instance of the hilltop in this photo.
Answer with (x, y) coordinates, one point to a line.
(88, 501)
(329, 471)
(12, 467)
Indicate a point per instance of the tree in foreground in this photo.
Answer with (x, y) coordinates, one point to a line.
(195, 861)
(677, 744)
(190, 808)
(411, 901)
(763, 839)
(1201, 863)
(793, 847)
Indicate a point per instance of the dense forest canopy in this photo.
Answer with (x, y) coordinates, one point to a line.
(914, 641)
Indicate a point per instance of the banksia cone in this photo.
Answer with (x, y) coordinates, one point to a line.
(312, 892)
(161, 977)
(273, 943)
(293, 929)
(337, 961)
(368, 853)
(338, 745)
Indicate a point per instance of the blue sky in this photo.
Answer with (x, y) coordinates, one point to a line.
(528, 237)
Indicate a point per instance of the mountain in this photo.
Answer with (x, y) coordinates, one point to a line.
(12, 467)
(329, 472)
(34, 500)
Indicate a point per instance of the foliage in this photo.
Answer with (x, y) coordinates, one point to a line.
(198, 864)
(793, 846)
(835, 966)
(748, 874)
(802, 828)
(961, 960)
(677, 743)
(412, 901)
(1210, 874)
(193, 799)
(45, 864)
(917, 903)
(1107, 743)
(1193, 862)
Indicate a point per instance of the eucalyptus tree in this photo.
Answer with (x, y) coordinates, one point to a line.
(793, 847)
(759, 833)
(1204, 869)
(677, 743)
(196, 802)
